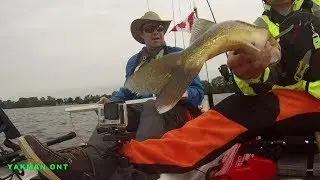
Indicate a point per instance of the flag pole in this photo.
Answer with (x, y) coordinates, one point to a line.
(174, 24)
(184, 46)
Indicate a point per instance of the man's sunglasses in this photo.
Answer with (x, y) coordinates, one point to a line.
(150, 29)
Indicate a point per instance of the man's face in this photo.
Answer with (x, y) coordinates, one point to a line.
(278, 2)
(153, 34)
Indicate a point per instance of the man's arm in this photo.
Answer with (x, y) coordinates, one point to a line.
(122, 95)
(262, 84)
(266, 80)
(195, 92)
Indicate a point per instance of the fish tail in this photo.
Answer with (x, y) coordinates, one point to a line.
(173, 91)
(167, 77)
(151, 78)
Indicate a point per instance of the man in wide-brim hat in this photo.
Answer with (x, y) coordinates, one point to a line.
(145, 24)
(146, 121)
(150, 30)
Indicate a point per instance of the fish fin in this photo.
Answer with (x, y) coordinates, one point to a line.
(200, 26)
(173, 91)
(248, 48)
(152, 77)
(241, 46)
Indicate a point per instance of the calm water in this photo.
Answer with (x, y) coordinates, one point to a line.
(47, 123)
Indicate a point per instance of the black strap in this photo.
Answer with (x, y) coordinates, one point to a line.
(274, 16)
(307, 86)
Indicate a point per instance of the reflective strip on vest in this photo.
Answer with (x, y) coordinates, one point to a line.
(266, 74)
(317, 2)
(297, 5)
(273, 28)
(314, 87)
(299, 86)
(245, 87)
(267, 7)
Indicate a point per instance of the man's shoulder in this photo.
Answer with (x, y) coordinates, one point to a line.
(133, 58)
(261, 22)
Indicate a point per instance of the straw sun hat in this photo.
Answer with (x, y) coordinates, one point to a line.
(148, 16)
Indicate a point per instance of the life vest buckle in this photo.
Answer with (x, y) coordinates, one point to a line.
(315, 37)
(302, 69)
(303, 66)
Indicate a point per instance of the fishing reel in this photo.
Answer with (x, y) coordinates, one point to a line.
(225, 72)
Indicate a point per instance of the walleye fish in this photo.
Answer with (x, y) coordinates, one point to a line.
(170, 75)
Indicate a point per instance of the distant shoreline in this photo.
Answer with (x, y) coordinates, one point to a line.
(218, 85)
(46, 106)
(31, 102)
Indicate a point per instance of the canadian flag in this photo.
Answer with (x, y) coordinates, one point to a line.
(185, 25)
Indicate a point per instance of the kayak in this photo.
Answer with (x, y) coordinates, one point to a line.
(14, 164)
(293, 163)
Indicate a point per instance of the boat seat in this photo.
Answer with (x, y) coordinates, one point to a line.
(299, 125)
(296, 133)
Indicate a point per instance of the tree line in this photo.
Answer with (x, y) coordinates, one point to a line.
(218, 85)
(24, 102)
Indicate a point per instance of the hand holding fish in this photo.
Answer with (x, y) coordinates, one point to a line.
(250, 66)
(103, 100)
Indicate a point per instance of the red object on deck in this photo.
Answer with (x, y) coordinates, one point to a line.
(244, 166)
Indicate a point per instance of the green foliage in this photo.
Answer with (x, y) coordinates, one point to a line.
(218, 85)
(24, 102)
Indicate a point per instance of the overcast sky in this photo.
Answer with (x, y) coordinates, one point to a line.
(74, 47)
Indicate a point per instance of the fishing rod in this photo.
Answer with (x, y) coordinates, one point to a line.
(174, 23)
(214, 20)
(148, 5)
(210, 90)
